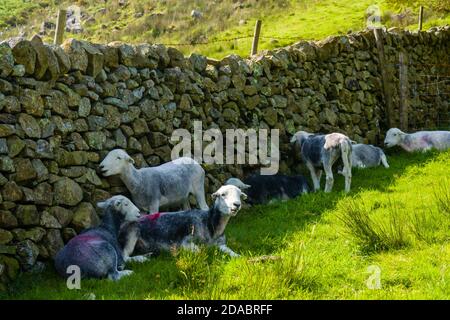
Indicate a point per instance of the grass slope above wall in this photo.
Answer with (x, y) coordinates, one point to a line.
(313, 246)
(284, 22)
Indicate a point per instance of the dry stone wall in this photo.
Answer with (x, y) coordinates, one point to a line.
(62, 108)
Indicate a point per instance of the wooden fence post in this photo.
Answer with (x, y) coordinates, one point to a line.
(60, 27)
(420, 18)
(256, 37)
(404, 94)
(384, 77)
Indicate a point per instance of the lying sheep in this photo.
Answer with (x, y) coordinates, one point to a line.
(367, 155)
(167, 185)
(96, 251)
(167, 230)
(262, 189)
(319, 150)
(419, 141)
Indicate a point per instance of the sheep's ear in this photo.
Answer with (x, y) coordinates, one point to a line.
(246, 186)
(102, 204)
(293, 139)
(244, 196)
(131, 160)
(214, 195)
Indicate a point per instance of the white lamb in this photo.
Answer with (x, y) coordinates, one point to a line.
(167, 185)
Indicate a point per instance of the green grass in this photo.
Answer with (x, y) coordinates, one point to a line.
(284, 21)
(320, 246)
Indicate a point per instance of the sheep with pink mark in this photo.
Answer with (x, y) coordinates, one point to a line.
(96, 251)
(418, 141)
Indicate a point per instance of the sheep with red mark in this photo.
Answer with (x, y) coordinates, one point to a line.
(96, 251)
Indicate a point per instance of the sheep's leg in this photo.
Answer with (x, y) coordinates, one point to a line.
(189, 244)
(384, 161)
(227, 250)
(140, 259)
(319, 175)
(314, 177)
(117, 275)
(346, 154)
(186, 205)
(132, 237)
(199, 193)
(154, 207)
(329, 177)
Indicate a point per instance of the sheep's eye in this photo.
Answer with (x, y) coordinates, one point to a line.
(223, 194)
(126, 204)
(118, 158)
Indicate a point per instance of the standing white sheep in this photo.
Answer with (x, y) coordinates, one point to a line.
(167, 185)
(418, 141)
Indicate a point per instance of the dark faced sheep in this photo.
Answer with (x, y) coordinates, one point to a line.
(262, 189)
(167, 230)
(96, 251)
(321, 151)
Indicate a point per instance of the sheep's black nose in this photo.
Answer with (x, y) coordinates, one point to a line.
(237, 205)
(101, 166)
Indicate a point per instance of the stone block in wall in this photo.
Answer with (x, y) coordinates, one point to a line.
(68, 233)
(67, 192)
(11, 266)
(176, 58)
(15, 146)
(95, 140)
(134, 144)
(12, 192)
(24, 53)
(84, 217)
(41, 170)
(63, 215)
(11, 104)
(43, 194)
(29, 125)
(76, 53)
(49, 221)
(5, 236)
(95, 59)
(31, 102)
(53, 242)
(24, 170)
(5, 87)
(7, 220)
(27, 253)
(46, 67)
(198, 62)
(57, 102)
(28, 215)
(35, 234)
(110, 55)
(6, 130)
(6, 60)
(71, 158)
(62, 58)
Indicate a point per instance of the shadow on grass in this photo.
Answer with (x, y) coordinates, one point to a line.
(262, 229)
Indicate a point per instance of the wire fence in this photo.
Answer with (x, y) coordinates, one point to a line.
(430, 96)
(201, 43)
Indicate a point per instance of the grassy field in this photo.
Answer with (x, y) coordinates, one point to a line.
(169, 21)
(318, 246)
